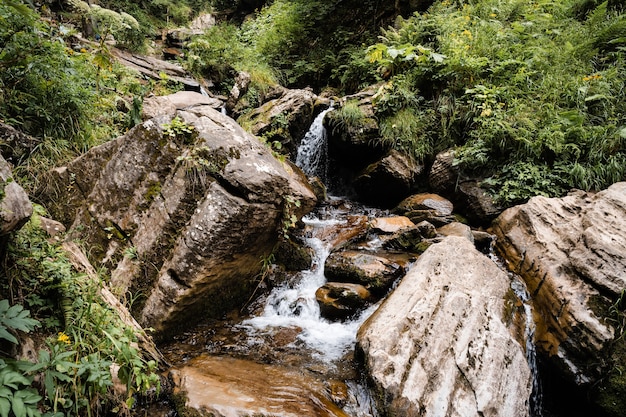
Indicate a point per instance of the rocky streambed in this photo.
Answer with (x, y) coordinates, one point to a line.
(421, 321)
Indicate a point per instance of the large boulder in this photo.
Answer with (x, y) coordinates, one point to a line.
(440, 344)
(388, 180)
(469, 198)
(284, 119)
(571, 252)
(180, 209)
(15, 206)
(355, 144)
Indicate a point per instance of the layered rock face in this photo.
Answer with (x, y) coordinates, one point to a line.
(571, 252)
(181, 210)
(440, 344)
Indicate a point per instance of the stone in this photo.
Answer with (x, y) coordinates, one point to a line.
(425, 201)
(376, 273)
(440, 344)
(229, 387)
(15, 146)
(181, 219)
(15, 206)
(388, 180)
(457, 229)
(286, 119)
(239, 89)
(359, 145)
(339, 301)
(390, 224)
(571, 252)
(415, 239)
(469, 198)
(154, 106)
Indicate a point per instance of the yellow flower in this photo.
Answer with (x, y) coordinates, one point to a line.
(468, 34)
(493, 15)
(64, 338)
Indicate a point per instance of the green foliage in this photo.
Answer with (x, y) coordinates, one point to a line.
(527, 90)
(178, 128)
(74, 373)
(348, 116)
(16, 318)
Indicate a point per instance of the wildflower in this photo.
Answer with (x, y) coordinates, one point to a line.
(83, 50)
(468, 34)
(486, 112)
(493, 15)
(64, 338)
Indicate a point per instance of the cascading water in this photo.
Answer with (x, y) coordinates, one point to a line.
(294, 305)
(519, 288)
(312, 154)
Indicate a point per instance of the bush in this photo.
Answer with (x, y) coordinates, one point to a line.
(530, 91)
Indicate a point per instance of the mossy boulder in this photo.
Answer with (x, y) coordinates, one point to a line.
(180, 210)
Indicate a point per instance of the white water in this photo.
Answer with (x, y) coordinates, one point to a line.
(312, 154)
(294, 305)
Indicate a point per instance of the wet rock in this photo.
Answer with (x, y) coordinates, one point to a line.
(353, 228)
(293, 255)
(439, 344)
(414, 239)
(15, 206)
(339, 301)
(483, 240)
(182, 218)
(375, 272)
(390, 224)
(388, 180)
(571, 252)
(338, 392)
(155, 106)
(228, 387)
(457, 229)
(285, 119)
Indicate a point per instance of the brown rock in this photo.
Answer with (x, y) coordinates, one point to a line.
(390, 224)
(375, 272)
(571, 252)
(339, 301)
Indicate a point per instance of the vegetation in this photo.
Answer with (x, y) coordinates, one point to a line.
(85, 337)
(530, 92)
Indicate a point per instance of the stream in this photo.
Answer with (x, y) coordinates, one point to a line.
(279, 356)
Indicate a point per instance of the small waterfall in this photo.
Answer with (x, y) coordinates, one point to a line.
(294, 305)
(519, 288)
(312, 154)
(536, 399)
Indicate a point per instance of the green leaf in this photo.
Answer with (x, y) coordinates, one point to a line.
(18, 407)
(5, 407)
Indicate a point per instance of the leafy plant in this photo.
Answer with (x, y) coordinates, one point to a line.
(74, 373)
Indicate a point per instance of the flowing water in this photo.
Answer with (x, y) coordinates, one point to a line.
(284, 351)
(312, 154)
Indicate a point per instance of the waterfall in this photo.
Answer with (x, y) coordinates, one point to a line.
(312, 154)
(519, 288)
(536, 400)
(294, 305)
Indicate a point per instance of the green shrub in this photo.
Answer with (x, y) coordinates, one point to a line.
(86, 336)
(530, 91)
